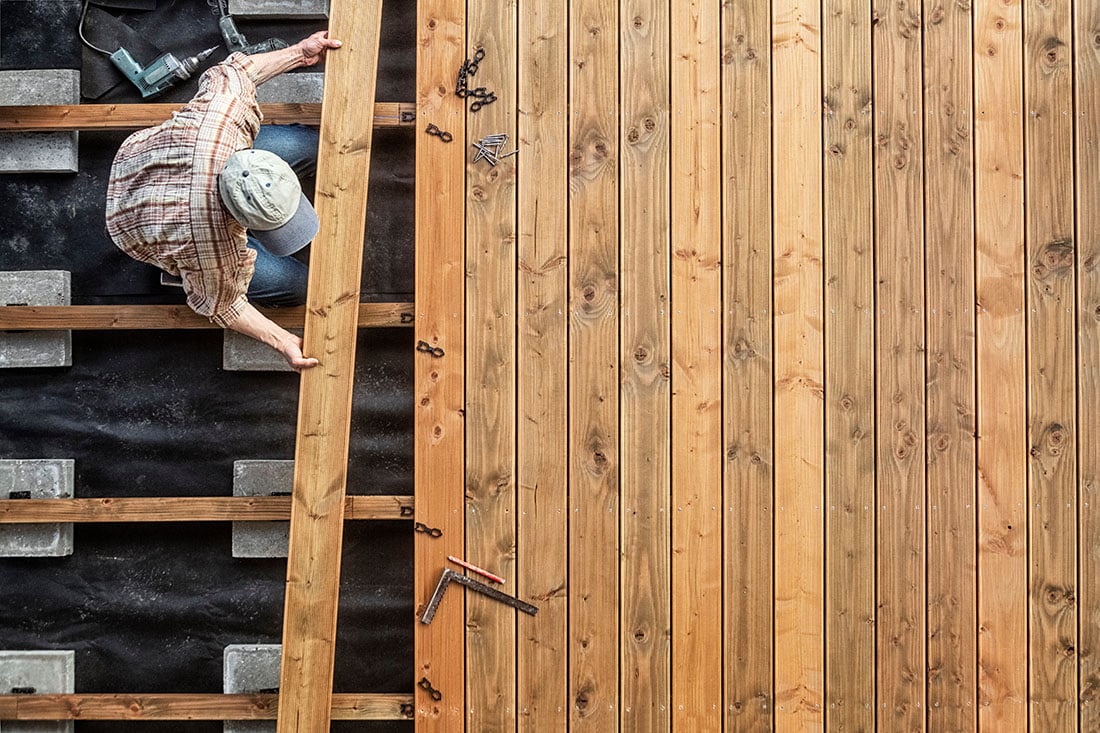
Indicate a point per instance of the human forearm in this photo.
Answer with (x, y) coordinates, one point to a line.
(306, 52)
(256, 325)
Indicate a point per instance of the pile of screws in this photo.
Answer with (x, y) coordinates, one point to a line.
(462, 90)
(490, 148)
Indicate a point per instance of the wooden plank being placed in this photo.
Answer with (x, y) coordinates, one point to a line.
(849, 363)
(899, 364)
(1001, 357)
(1051, 365)
(593, 432)
(747, 398)
(439, 383)
(345, 706)
(43, 118)
(1087, 74)
(491, 374)
(952, 448)
(696, 215)
(188, 509)
(542, 564)
(158, 317)
(324, 408)
(645, 353)
(799, 364)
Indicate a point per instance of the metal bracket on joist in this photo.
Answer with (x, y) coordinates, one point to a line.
(426, 348)
(425, 685)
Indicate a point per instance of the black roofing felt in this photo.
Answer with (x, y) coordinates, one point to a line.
(149, 608)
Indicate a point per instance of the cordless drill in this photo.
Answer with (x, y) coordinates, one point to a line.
(235, 40)
(165, 70)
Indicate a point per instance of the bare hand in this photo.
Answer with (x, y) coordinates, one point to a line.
(313, 48)
(292, 351)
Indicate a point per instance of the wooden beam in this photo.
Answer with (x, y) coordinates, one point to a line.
(324, 408)
(188, 509)
(61, 117)
(345, 706)
(439, 383)
(156, 317)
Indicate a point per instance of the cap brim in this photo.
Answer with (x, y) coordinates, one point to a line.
(295, 234)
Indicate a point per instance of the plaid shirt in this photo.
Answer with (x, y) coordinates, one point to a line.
(163, 205)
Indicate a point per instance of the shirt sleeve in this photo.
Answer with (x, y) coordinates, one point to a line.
(220, 295)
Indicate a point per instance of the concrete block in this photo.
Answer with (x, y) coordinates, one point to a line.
(301, 88)
(48, 672)
(296, 9)
(35, 348)
(242, 353)
(39, 152)
(251, 668)
(48, 478)
(261, 478)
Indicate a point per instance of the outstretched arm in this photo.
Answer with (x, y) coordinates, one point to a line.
(306, 52)
(255, 324)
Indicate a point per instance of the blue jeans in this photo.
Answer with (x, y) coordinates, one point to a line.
(281, 281)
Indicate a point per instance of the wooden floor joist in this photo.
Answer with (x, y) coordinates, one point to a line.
(39, 118)
(324, 412)
(345, 706)
(188, 509)
(155, 317)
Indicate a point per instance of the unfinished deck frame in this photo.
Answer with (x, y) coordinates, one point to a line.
(907, 365)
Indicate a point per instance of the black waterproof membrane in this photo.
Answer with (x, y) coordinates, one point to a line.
(150, 607)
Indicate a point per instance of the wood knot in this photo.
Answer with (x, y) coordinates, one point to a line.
(589, 293)
(432, 23)
(641, 354)
(638, 22)
(632, 135)
(478, 193)
(649, 124)
(581, 701)
(640, 635)
(743, 350)
(936, 16)
(756, 459)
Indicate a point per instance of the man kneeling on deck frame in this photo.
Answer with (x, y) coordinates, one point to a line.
(213, 197)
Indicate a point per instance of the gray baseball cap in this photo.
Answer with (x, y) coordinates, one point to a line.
(261, 192)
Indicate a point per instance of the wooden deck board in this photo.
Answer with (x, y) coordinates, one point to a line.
(951, 410)
(747, 364)
(850, 368)
(594, 366)
(1087, 240)
(696, 444)
(899, 365)
(799, 368)
(645, 353)
(1001, 353)
(325, 401)
(542, 561)
(1052, 423)
(490, 373)
(439, 383)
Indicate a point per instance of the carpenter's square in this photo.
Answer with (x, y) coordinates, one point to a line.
(449, 576)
